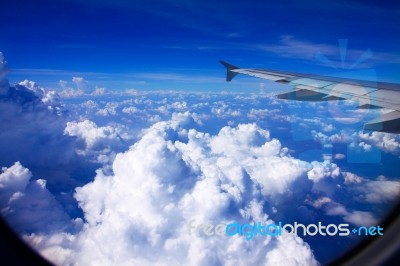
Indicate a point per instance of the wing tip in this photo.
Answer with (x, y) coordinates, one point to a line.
(229, 67)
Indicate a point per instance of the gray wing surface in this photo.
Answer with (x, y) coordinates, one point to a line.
(309, 87)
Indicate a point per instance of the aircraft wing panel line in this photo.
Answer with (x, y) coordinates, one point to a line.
(308, 87)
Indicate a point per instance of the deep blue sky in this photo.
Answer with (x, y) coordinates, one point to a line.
(177, 44)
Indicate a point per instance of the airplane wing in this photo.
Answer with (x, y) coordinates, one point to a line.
(309, 87)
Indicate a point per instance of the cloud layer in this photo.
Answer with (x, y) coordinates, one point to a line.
(168, 158)
(172, 176)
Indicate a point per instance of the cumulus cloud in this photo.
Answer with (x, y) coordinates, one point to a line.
(366, 147)
(387, 142)
(130, 110)
(384, 141)
(326, 139)
(90, 133)
(137, 208)
(99, 91)
(69, 92)
(350, 178)
(32, 132)
(109, 109)
(28, 206)
(172, 176)
(80, 83)
(99, 144)
(32, 123)
(323, 170)
(48, 97)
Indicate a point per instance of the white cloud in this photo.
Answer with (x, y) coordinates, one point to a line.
(179, 105)
(48, 97)
(139, 215)
(332, 208)
(384, 141)
(109, 109)
(80, 83)
(341, 137)
(69, 92)
(350, 178)
(28, 206)
(137, 210)
(63, 84)
(99, 91)
(89, 106)
(130, 110)
(27, 92)
(13, 179)
(366, 147)
(32, 123)
(99, 144)
(361, 218)
(323, 170)
(340, 156)
(90, 133)
(320, 202)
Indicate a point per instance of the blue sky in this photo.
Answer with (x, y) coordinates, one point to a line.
(177, 44)
(74, 155)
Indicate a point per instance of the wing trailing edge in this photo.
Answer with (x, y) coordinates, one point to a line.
(307, 87)
(389, 122)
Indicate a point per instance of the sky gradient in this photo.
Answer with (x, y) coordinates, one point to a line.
(131, 131)
(177, 44)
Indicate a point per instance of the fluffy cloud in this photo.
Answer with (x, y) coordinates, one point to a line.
(130, 110)
(350, 178)
(323, 170)
(32, 132)
(90, 133)
(137, 207)
(99, 91)
(171, 176)
(50, 98)
(384, 141)
(32, 123)
(80, 82)
(99, 144)
(28, 206)
(109, 109)
(325, 139)
(68, 92)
